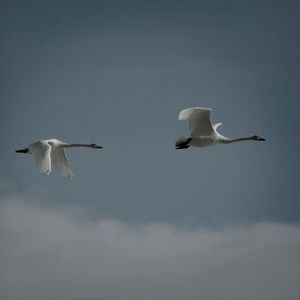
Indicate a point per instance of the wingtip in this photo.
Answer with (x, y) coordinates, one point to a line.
(183, 113)
(45, 173)
(68, 176)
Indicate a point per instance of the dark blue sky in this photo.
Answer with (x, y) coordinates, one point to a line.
(142, 220)
(118, 73)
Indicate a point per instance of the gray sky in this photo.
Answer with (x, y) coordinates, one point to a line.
(118, 73)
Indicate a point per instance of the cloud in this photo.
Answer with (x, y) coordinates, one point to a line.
(48, 253)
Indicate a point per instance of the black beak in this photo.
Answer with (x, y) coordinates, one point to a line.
(25, 150)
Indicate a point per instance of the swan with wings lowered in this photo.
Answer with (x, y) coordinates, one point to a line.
(52, 152)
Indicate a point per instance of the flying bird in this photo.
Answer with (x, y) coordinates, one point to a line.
(203, 133)
(52, 151)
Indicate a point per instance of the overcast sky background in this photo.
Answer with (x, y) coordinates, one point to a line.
(140, 219)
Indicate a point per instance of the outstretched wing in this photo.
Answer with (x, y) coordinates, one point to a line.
(199, 120)
(60, 161)
(41, 154)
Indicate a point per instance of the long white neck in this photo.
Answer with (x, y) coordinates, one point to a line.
(78, 145)
(226, 140)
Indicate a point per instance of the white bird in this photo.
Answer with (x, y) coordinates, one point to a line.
(52, 151)
(203, 133)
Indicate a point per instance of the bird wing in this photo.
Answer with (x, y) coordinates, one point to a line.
(199, 120)
(41, 154)
(215, 127)
(60, 161)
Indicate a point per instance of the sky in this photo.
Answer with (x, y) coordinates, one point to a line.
(141, 220)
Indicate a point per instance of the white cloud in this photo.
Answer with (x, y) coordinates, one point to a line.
(46, 253)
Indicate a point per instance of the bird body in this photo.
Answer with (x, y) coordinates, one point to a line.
(52, 152)
(203, 132)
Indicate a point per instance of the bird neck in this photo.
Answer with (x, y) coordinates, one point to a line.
(76, 145)
(226, 140)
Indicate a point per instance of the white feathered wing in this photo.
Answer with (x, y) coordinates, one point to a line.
(60, 161)
(41, 154)
(199, 120)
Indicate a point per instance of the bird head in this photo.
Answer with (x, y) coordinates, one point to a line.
(24, 150)
(258, 138)
(96, 146)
